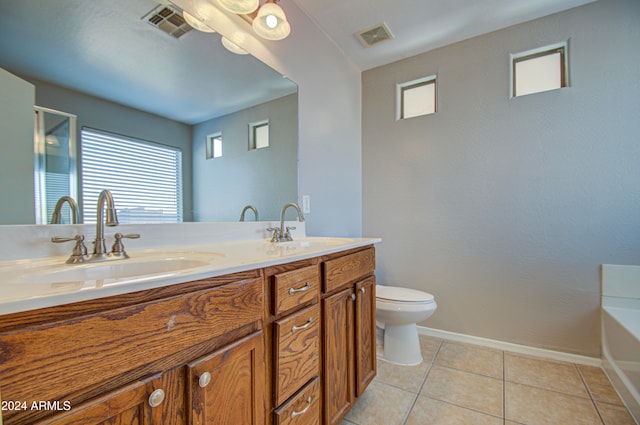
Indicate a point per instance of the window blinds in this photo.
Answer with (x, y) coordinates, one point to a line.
(145, 178)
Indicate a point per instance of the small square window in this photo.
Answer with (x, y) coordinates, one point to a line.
(416, 98)
(539, 70)
(214, 145)
(259, 135)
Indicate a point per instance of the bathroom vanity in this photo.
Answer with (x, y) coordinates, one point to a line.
(288, 340)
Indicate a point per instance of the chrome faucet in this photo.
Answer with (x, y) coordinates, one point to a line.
(111, 220)
(55, 217)
(249, 207)
(79, 255)
(280, 234)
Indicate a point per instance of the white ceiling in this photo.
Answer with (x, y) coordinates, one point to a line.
(419, 25)
(104, 48)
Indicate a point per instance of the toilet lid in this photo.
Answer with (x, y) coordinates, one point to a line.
(394, 293)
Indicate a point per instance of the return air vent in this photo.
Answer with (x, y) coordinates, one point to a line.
(169, 20)
(374, 35)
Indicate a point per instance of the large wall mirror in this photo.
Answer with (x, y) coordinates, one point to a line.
(113, 65)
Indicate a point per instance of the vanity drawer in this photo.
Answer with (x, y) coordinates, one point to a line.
(295, 288)
(303, 408)
(340, 271)
(297, 351)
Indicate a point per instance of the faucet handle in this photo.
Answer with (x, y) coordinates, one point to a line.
(79, 253)
(275, 237)
(287, 234)
(118, 247)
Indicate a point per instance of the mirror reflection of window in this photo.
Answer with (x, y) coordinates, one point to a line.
(214, 146)
(259, 135)
(144, 177)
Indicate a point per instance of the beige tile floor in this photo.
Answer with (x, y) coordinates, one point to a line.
(462, 384)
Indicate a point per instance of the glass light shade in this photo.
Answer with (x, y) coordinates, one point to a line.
(271, 22)
(195, 22)
(232, 47)
(239, 7)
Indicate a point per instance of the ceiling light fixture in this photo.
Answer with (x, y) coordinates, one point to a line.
(232, 47)
(195, 22)
(271, 23)
(239, 7)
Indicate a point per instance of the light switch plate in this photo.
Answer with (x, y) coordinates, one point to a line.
(306, 204)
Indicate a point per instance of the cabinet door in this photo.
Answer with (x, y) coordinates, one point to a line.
(337, 344)
(365, 323)
(156, 401)
(227, 387)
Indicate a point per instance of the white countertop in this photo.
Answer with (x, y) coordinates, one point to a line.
(33, 283)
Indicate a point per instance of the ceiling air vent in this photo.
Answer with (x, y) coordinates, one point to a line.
(169, 20)
(374, 35)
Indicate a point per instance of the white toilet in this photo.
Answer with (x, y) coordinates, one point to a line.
(398, 310)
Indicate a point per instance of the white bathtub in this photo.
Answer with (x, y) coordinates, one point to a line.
(621, 332)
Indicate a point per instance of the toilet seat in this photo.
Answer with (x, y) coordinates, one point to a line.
(394, 294)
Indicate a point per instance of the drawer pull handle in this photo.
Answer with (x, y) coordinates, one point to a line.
(303, 411)
(156, 398)
(306, 287)
(305, 326)
(204, 379)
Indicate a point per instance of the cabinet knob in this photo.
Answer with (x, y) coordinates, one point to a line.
(204, 379)
(353, 297)
(156, 398)
(303, 411)
(362, 289)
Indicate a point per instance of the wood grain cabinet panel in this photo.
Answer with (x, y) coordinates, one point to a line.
(227, 387)
(338, 360)
(297, 360)
(48, 362)
(295, 288)
(303, 408)
(365, 327)
(341, 271)
(348, 336)
(154, 401)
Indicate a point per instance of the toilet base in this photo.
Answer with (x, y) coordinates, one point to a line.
(401, 344)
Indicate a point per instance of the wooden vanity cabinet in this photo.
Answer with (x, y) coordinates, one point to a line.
(134, 358)
(348, 337)
(292, 344)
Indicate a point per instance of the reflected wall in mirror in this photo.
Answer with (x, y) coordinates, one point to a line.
(102, 62)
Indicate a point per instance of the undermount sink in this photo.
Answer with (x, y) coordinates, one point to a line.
(116, 269)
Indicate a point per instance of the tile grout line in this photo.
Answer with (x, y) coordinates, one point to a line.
(586, 386)
(433, 361)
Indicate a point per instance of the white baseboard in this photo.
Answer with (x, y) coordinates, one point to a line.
(508, 346)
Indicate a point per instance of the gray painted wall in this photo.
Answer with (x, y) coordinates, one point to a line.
(267, 176)
(16, 140)
(504, 208)
(329, 111)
